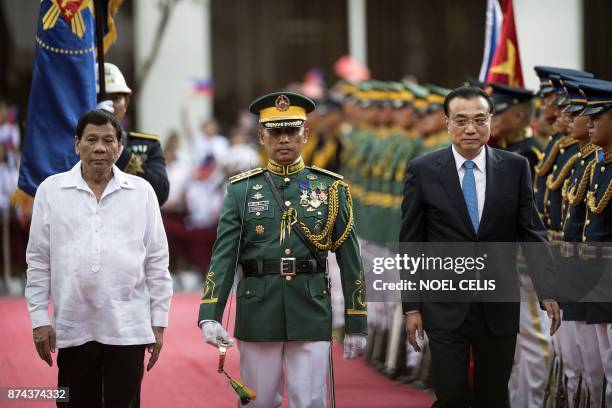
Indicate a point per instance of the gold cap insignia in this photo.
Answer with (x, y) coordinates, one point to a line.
(282, 103)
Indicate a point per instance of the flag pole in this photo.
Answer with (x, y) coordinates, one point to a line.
(99, 7)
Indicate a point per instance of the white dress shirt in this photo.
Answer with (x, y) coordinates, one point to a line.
(480, 174)
(103, 265)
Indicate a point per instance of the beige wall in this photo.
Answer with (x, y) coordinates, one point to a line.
(549, 33)
(184, 53)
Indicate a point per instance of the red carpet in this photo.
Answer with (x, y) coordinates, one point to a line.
(185, 375)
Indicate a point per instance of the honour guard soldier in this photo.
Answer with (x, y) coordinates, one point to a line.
(406, 146)
(142, 153)
(597, 236)
(565, 151)
(434, 130)
(512, 112)
(278, 223)
(510, 126)
(572, 273)
(550, 111)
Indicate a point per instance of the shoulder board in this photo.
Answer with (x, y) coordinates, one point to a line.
(143, 135)
(246, 174)
(329, 173)
(568, 142)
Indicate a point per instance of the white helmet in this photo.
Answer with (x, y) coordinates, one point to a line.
(114, 80)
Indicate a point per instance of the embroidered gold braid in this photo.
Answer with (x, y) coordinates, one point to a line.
(576, 194)
(324, 240)
(545, 210)
(597, 208)
(564, 189)
(553, 184)
(543, 168)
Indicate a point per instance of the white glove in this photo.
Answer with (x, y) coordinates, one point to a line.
(213, 331)
(354, 345)
(106, 105)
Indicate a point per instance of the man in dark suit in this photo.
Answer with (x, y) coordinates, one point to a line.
(470, 192)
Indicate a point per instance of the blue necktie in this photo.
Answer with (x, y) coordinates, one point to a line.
(469, 192)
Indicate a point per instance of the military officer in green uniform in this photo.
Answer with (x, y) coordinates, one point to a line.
(142, 154)
(433, 125)
(278, 223)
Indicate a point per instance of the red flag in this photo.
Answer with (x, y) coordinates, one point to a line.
(506, 65)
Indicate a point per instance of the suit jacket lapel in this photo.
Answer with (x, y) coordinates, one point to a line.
(450, 180)
(493, 165)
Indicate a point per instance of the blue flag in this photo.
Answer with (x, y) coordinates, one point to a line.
(63, 88)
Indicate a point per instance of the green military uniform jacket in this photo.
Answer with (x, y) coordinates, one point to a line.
(252, 232)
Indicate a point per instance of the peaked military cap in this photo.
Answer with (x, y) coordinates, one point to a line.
(598, 97)
(282, 109)
(505, 96)
(544, 73)
(561, 95)
(435, 98)
(363, 94)
(380, 93)
(576, 101)
(420, 97)
(401, 96)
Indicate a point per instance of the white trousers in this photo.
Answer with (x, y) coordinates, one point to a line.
(533, 354)
(573, 364)
(265, 367)
(588, 347)
(604, 339)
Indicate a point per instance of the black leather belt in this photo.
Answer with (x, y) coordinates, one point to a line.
(283, 267)
(587, 250)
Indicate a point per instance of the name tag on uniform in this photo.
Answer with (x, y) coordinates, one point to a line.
(255, 206)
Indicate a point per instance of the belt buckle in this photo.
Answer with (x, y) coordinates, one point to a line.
(287, 266)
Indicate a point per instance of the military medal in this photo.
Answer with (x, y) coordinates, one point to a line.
(311, 177)
(313, 195)
(259, 229)
(257, 187)
(258, 196)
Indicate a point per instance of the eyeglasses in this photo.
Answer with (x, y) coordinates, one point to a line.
(478, 122)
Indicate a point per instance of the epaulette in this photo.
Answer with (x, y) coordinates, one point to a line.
(568, 141)
(246, 174)
(329, 173)
(143, 135)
